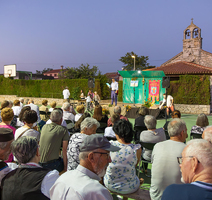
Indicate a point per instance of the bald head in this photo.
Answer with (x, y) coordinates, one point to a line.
(207, 134)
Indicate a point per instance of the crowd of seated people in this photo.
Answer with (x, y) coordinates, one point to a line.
(39, 155)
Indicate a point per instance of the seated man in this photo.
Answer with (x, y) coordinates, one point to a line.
(21, 102)
(165, 169)
(52, 136)
(84, 180)
(152, 135)
(117, 110)
(207, 134)
(29, 180)
(34, 107)
(67, 115)
(195, 164)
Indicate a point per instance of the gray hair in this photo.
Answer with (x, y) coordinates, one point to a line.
(150, 121)
(10, 102)
(66, 106)
(56, 116)
(24, 148)
(89, 122)
(83, 155)
(3, 145)
(202, 120)
(202, 150)
(143, 111)
(176, 126)
(208, 134)
(117, 110)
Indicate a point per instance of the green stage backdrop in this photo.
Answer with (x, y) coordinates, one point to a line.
(148, 84)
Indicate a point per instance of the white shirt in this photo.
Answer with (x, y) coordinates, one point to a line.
(109, 132)
(62, 124)
(77, 116)
(88, 99)
(30, 132)
(114, 85)
(66, 94)
(16, 110)
(68, 116)
(80, 183)
(169, 101)
(21, 105)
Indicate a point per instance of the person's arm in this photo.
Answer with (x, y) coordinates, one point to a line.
(65, 145)
(138, 154)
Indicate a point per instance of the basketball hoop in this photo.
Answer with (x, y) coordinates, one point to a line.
(9, 71)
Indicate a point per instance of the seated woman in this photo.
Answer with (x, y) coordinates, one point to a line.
(109, 133)
(44, 110)
(53, 106)
(102, 119)
(7, 104)
(201, 123)
(78, 123)
(152, 135)
(175, 114)
(82, 96)
(88, 127)
(121, 174)
(139, 122)
(17, 107)
(29, 180)
(80, 109)
(29, 118)
(7, 116)
(20, 121)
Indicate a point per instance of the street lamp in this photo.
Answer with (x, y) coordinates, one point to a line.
(133, 56)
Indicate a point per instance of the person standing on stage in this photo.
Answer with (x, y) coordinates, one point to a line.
(66, 93)
(114, 91)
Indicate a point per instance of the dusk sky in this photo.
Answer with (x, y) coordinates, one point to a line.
(38, 34)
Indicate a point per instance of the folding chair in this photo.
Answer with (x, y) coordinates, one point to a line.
(195, 136)
(148, 146)
(70, 125)
(138, 130)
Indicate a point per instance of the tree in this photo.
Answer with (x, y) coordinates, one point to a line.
(140, 62)
(44, 70)
(82, 72)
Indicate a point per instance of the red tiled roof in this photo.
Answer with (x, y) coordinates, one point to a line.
(183, 67)
(53, 71)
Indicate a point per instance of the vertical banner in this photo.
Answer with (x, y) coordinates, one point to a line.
(154, 90)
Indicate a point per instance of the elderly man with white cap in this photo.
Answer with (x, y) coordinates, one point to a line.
(83, 182)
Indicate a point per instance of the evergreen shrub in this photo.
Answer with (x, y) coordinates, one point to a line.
(191, 89)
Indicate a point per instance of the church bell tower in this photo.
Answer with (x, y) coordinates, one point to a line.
(192, 43)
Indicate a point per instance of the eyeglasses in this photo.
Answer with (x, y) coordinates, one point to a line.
(180, 159)
(108, 154)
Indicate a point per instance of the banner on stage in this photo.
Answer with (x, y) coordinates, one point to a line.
(134, 83)
(154, 90)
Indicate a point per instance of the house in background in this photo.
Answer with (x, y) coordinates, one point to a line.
(114, 75)
(54, 73)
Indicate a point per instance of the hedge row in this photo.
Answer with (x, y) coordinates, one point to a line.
(45, 88)
(120, 94)
(191, 89)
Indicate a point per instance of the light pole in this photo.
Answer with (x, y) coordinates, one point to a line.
(133, 56)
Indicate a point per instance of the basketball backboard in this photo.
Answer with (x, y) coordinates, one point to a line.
(9, 71)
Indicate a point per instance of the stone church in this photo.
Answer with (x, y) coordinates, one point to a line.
(192, 60)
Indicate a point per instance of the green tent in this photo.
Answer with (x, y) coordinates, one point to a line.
(139, 86)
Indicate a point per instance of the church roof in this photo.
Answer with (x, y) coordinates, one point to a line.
(183, 67)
